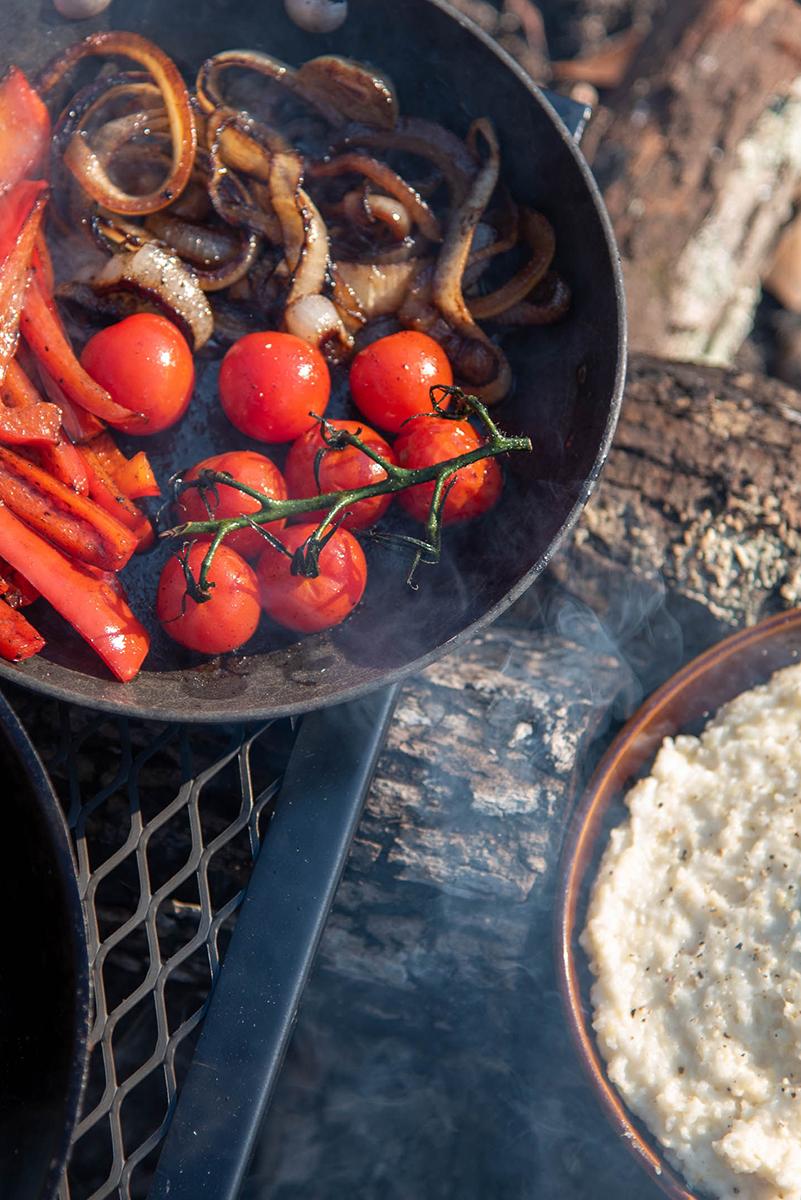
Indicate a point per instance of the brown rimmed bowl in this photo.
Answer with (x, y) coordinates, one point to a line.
(682, 705)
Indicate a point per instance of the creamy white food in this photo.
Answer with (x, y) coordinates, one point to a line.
(694, 936)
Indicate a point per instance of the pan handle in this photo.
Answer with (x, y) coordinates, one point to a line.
(254, 1006)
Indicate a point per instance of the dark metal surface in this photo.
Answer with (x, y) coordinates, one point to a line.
(254, 1007)
(44, 978)
(569, 377)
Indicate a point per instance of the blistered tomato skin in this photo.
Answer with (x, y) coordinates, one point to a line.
(429, 440)
(340, 470)
(247, 467)
(223, 623)
(269, 384)
(309, 605)
(391, 379)
(145, 364)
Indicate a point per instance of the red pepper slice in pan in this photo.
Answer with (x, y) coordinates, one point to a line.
(18, 638)
(36, 425)
(133, 476)
(94, 604)
(79, 425)
(15, 268)
(76, 525)
(61, 460)
(24, 129)
(43, 263)
(15, 590)
(46, 337)
(105, 492)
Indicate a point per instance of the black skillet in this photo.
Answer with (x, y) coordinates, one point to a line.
(569, 377)
(44, 976)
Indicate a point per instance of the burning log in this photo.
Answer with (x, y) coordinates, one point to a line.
(699, 155)
(699, 495)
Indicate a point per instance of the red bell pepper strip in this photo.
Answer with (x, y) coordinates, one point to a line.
(61, 460)
(15, 277)
(95, 605)
(133, 476)
(43, 264)
(105, 492)
(36, 425)
(45, 336)
(16, 591)
(79, 425)
(18, 638)
(15, 208)
(24, 129)
(76, 525)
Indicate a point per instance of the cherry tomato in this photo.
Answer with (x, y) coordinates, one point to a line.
(340, 470)
(390, 380)
(146, 366)
(248, 467)
(222, 623)
(307, 605)
(429, 440)
(270, 382)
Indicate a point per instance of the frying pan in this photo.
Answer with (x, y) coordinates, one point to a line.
(569, 377)
(44, 976)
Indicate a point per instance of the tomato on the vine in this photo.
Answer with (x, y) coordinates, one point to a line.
(270, 382)
(247, 467)
(145, 365)
(220, 624)
(390, 380)
(429, 440)
(339, 471)
(308, 605)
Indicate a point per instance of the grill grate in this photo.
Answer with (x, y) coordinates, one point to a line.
(167, 822)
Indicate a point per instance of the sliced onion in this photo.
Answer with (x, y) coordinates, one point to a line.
(427, 140)
(376, 291)
(115, 134)
(388, 181)
(218, 258)
(160, 277)
(315, 319)
(86, 166)
(538, 233)
(535, 311)
(366, 209)
(305, 236)
(477, 360)
(209, 93)
(355, 91)
(233, 200)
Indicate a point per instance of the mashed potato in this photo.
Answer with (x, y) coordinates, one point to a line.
(694, 936)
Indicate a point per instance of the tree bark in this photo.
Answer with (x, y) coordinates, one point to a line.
(700, 494)
(699, 156)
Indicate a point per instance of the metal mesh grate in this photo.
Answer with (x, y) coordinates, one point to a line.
(167, 822)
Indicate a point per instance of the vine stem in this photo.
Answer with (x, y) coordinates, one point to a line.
(336, 504)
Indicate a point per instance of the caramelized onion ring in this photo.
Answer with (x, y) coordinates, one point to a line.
(477, 359)
(305, 236)
(388, 181)
(538, 233)
(355, 91)
(86, 165)
(425, 139)
(540, 311)
(210, 95)
(367, 209)
(233, 253)
(159, 277)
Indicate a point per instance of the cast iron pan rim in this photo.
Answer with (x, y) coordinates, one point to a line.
(50, 811)
(230, 713)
